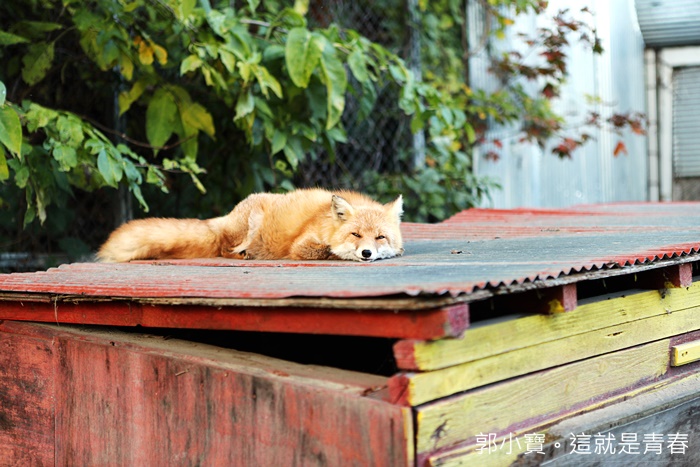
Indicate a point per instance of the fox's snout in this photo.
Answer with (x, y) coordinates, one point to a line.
(366, 254)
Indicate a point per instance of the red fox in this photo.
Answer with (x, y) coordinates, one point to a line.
(302, 224)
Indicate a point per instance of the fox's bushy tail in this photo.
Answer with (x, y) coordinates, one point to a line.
(160, 239)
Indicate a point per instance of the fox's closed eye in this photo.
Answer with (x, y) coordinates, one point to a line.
(380, 237)
(357, 235)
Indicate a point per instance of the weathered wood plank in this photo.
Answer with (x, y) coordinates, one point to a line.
(663, 407)
(546, 395)
(561, 299)
(26, 400)
(422, 324)
(417, 388)
(682, 354)
(130, 401)
(499, 336)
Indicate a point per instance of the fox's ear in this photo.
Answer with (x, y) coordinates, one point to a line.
(341, 209)
(396, 207)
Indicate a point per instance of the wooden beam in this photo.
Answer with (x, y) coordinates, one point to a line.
(537, 397)
(421, 324)
(634, 411)
(561, 299)
(669, 277)
(682, 354)
(493, 337)
(418, 388)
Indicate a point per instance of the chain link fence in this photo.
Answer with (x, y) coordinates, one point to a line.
(381, 142)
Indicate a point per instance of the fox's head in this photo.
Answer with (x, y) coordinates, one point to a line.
(366, 232)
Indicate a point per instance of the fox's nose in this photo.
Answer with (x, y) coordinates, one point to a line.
(366, 253)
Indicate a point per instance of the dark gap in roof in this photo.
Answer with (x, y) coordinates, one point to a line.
(607, 285)
(371, 355)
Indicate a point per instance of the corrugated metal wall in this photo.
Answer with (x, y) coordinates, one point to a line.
(667, 23)
(686, 122)
(532, 177)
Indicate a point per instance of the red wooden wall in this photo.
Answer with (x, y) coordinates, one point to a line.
(69, 397)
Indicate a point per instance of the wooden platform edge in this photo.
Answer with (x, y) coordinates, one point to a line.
(616, 412)
(132, 400)
(494, 337)
(418, 388)
(435, 323)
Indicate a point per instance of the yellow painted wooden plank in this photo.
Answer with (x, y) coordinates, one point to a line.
(683, 354)
(469, 455)
(506, 335)
(419, 388)
(495, 408)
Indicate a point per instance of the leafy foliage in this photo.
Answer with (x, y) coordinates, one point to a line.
(540, 60)
(245, 95)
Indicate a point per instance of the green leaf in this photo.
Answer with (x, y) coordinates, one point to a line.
(4, 170)
(156, 177)
(301, 6)
(37, 62)
(191, 63)
(358, 66)
(279, 140)
(70, 130)
(66, 156)
(302, 54)
(183, 8)
(110, 169)
(29, 215)
(273, 52)
(21, 174)
(37, 28)
(367, 100)
(132, 173)
(289, 19)
(160, 118)
(3, 94)
(38, 116)
(336, 82)
(291, 156)
(136, 190)
(471, 135)
(9, 39)
(245, 104)
(267, 81)
(196, 116)
(228, 59)
(11, 130)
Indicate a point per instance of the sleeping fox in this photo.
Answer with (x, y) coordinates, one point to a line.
(303, 224)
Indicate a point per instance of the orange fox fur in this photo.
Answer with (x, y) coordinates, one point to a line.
(302, 224)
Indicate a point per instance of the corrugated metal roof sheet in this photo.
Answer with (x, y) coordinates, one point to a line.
(474, 250)
(666, 23)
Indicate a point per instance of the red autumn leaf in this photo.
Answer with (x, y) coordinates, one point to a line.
(549, 91)
(492, 156)
(620, 148)
(566, 147)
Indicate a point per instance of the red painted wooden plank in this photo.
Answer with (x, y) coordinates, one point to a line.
(419, 324)
(26, 400)
(560, 299)
(133, 405)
